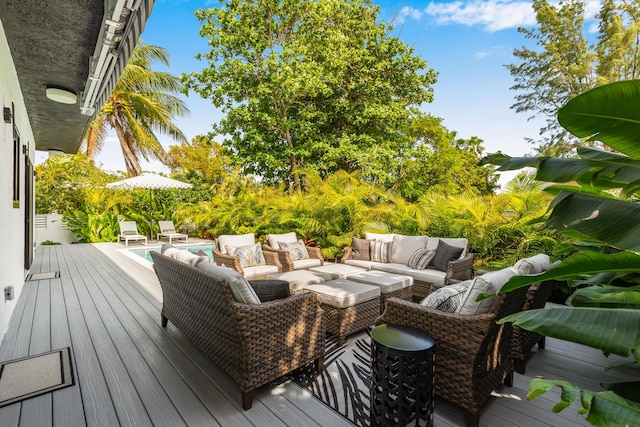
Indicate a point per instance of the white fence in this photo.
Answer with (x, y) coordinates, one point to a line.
(51, 227)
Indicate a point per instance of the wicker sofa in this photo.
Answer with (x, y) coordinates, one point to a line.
(425, 280)
(253, 343)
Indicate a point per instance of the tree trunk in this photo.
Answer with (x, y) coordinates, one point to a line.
(130, 160)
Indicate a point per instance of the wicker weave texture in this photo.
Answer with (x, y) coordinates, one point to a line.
(342, 322)
(473, 353)
(254, 344)
(405, 294)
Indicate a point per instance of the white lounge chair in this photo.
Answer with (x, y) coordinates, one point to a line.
(129, 231)
(167, 229)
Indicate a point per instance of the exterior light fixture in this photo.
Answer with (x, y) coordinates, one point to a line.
(55, 152)
(63, 96)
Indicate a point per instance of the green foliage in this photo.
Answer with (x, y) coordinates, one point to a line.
(596, 208)
(64, 182)
(49, 243)
(310, 84)
(564, 64)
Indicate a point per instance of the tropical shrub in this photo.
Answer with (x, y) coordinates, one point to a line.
(596, 207)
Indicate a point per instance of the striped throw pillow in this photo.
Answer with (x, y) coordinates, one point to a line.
(421, 258)
(380, 251)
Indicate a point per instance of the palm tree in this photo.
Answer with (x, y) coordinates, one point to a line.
(143, 101)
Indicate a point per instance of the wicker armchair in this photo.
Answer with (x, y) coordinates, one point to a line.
(522, 341)
(221, 257)
(284, 257)
(473, 353)
(253, 343)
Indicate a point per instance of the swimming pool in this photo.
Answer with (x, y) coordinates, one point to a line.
(146, 252)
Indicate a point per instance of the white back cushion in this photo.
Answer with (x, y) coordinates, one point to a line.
(273, 239)
(533, 265)
(240, 288)
(235, 240)
(388, 237)
(405, 246)
(488, 283)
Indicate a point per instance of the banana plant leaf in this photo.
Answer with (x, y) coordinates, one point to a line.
(598, 219)
(606, 296)
(607, 113)
(584, 263)
(629, 390)
(603, 408)
(612, 330)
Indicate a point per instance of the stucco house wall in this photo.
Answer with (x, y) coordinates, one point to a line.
(12, 227)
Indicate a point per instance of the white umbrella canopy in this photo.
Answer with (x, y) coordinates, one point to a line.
(149, 181)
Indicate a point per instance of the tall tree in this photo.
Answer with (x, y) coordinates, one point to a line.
(308, 83)
(143, 102)
(565, 62)
(201, 156)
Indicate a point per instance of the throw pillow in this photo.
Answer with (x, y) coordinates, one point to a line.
(169, 250)
(447, 298)
(380, 251)
(297, 250)
(444, 254)
(189, 257)
(533, 265)
(240, 288)
(248, 256)
(269, 290)
(488, 283)
(421, 258)
(360, 249)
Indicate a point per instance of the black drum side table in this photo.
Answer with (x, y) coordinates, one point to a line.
(401, 388)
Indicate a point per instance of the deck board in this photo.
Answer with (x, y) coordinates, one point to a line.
(131, 371)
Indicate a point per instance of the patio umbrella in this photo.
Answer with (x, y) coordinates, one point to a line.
(149, 181)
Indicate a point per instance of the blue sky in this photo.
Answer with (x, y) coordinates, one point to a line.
(466, 42)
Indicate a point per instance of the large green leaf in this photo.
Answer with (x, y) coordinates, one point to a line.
(598, 218)
(606, 296)
(612, 330)
(607, 113)
(602, 408)
(585, 263)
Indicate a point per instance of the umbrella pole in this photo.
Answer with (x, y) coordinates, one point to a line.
(150, 214)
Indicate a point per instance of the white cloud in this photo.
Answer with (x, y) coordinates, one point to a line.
(481, 55)
(407, 12)
(494, 15)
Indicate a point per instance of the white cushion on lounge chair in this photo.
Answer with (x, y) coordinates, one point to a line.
(167, 229)
(273, 239)
(235, 240)
(129, 231)
(259, 270)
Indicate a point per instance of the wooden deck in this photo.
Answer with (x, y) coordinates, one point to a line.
(130, 371)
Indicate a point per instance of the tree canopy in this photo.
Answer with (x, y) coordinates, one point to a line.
(305, 83)
(565, 62)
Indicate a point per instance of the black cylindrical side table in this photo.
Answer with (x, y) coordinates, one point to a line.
(401, 387)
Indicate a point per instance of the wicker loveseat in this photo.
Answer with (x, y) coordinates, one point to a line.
(253, 343)
(425, 280)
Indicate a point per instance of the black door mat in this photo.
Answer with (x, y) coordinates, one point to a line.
(35, 375)
(43, 276)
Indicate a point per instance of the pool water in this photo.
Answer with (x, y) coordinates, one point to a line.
(205, 247)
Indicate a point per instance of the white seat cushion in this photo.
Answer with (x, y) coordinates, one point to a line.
(387, 282)
(338, 271)
(488, 283)
(273, 239)
(235, 240)
(405, 246)
(342, 293)
(259, 270)
(306, 263)
(298, 279)
(427, 275)
(360, 263)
